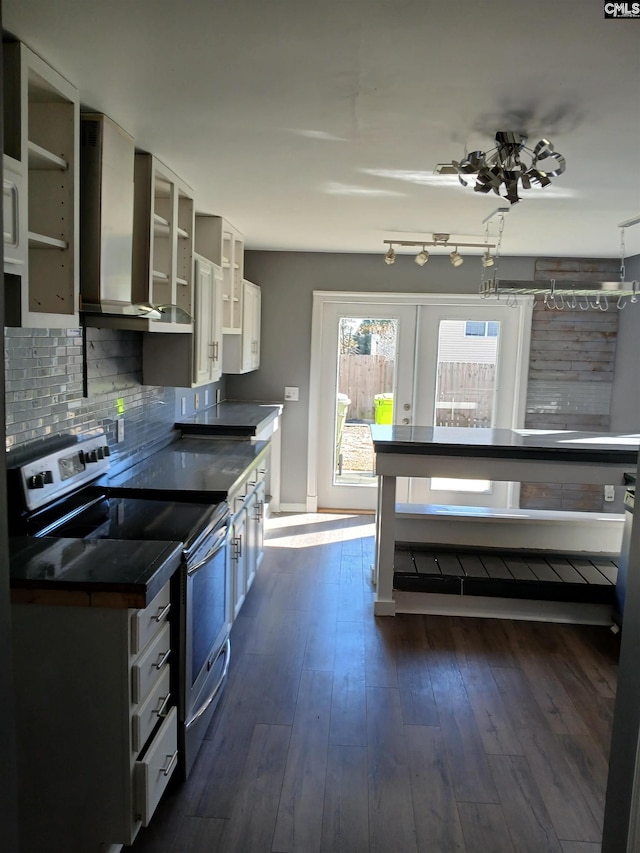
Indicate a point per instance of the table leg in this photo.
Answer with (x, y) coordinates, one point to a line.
(384, 604)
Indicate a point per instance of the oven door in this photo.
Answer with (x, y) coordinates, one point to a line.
(205, 625)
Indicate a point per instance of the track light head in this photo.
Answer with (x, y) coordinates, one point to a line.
(422, 257)
(390, 257)
(487, 259)
(456, 259)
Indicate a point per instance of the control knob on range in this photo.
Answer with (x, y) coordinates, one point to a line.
(37, 481)
(91, 456)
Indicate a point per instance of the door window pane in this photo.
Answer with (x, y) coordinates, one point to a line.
(466, 384)
(366, 372)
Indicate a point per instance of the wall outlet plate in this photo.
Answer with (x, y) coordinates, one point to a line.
(291, 393)
(120, 430)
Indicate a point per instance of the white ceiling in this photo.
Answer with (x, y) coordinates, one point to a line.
(315, 125)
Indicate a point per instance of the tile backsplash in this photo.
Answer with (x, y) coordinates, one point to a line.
(52, 390)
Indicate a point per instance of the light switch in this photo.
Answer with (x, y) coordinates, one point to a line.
(291, 393)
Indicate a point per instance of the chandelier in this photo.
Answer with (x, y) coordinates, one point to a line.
(503, 167)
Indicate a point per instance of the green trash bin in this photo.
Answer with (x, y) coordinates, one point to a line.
(383, 408)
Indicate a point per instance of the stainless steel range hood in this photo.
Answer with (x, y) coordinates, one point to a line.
(108, 293)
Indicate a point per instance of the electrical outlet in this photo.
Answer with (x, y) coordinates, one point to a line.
(120, 430)
(291, 393)
(196, 401)
(206, 397)
(183, 406)
(609, 493)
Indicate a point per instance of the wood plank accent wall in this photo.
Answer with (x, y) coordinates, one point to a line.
(571, 368)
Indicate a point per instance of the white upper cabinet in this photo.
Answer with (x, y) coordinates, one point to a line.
(218, 240)
(41, 198)
(242, 352)
(163, 234)
(190, 360)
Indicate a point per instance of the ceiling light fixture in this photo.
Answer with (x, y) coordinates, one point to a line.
(422, 257)
(441, 240)
(503, 168)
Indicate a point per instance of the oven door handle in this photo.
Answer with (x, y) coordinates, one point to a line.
(221, 540)
(226, 651)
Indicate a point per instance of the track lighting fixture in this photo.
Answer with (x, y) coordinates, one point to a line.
(441, 241)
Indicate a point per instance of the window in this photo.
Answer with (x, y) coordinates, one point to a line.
(480, 329)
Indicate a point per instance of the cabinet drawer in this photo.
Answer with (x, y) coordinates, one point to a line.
(146, 716)
(145, 671)
(145, 623)
(153, 771)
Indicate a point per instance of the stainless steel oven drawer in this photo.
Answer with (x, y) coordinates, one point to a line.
(155, 768)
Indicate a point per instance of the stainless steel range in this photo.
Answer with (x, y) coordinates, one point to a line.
(61, 495)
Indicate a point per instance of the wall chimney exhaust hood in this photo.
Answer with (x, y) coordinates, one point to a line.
(108, 293)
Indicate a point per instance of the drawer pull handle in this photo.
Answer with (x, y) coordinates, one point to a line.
(163, 612)
(164, 657)
(170, 764)
(163, 709)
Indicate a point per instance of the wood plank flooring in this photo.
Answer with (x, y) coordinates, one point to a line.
(340, 732)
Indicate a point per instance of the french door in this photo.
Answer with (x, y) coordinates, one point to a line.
(425, 359)
(368, 352)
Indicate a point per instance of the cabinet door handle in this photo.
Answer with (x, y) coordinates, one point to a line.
(170, 764)
(162, 710)
(240, 546)
(162, 612)
(164, 657)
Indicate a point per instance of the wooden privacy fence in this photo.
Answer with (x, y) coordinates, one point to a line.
(465, 390)
(360, 377)
(466, 394)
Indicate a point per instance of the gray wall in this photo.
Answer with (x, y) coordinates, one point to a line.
(288, 280)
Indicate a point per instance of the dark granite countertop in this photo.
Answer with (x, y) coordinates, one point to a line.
(543, 445)
(231, 417)
(191, 469)
(90, 572)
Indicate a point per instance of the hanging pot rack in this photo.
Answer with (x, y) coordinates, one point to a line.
(571, 293)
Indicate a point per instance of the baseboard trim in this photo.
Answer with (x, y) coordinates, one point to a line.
(293, 507)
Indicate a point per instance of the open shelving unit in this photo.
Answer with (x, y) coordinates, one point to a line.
(224, 245)
(41, 192)
(163, 245)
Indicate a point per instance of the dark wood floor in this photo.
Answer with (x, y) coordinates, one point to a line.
(342, 732)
